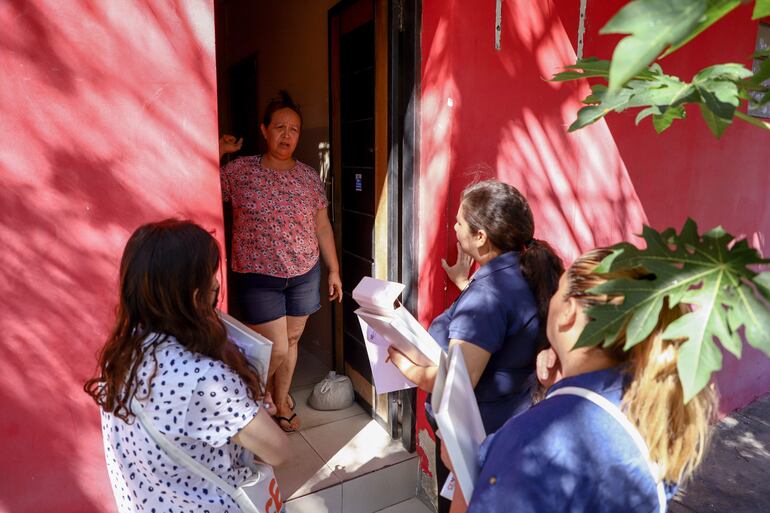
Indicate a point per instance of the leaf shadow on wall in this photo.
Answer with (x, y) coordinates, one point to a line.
(99, 150)
(495, 110)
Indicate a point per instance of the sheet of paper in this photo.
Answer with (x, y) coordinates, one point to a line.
(397, 335)
(256, 347)
(377, 295)
(459, 420)
(448, 490)
(386, 376)
(411, 329)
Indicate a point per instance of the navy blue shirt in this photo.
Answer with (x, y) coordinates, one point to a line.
(498, 313)
(565, 454)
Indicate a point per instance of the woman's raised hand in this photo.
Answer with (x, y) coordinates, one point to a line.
(229, 144)
(458, 272)
(548, 367)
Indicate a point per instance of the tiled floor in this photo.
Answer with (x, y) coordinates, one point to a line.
(342, 461)
(413, 505)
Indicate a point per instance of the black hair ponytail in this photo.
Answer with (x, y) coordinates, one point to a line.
(504, 214)
(542, 268)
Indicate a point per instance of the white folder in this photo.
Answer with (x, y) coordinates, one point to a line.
(255, 347)
(393, 322)
(458, 418)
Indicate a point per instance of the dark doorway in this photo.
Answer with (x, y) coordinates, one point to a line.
(352, 91)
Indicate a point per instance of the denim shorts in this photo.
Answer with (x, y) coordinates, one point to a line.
(264, 298)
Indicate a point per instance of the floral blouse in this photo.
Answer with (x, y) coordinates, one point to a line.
(273, 216)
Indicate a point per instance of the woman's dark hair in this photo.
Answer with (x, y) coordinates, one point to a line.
(165, 285)
(504, 214)
(282, 101)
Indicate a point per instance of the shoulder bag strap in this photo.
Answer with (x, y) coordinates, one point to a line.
(615, 412)
(178, 455)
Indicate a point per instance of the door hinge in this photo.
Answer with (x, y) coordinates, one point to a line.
(398, 17)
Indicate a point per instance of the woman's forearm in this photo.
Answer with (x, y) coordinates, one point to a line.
(327, 247)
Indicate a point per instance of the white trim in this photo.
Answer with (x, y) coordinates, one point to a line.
(581, 28)
(498, 23)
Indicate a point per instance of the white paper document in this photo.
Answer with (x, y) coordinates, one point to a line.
(458, 418)
(384, 324)
(386, 377)
(256, 347)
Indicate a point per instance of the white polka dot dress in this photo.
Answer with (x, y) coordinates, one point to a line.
(199, 404)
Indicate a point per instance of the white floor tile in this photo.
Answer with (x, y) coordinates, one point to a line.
(355, 446)
(310, 370)
(304, 470)
(380, 489)
(413, 505)
(328, 500)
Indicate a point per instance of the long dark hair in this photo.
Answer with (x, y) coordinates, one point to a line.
(504, 214)
(165, 285)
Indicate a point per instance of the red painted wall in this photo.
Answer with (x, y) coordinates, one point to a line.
(107, 121)
(491, 113)
(488, 113)
(687, 172)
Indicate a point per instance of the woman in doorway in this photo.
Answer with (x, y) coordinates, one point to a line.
(169, 351)
(280, 225)
(570, 452)
(499, 317)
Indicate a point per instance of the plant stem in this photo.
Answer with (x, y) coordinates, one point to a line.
(752, 120)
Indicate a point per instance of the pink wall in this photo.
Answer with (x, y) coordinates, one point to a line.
(107, 120)
(491, 113)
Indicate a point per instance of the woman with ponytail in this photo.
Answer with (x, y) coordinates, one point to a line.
(613, 434)
(169, 351)
(498, 320)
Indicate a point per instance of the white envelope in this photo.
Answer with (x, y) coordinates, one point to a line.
(458, 418)
(256, 347)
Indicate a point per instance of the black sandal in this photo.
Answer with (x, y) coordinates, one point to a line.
(278, 418)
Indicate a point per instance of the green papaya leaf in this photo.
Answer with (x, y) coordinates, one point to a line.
(663, 121)
(589, 68)
(762, 281)
(751, 312)
(716, 124)
(711, 273)
(653, 25)
(761, 9)
(649, 111)
(715, 11)
(608, 103)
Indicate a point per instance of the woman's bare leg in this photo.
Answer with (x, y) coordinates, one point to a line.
(276, 332)
(284, 374)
